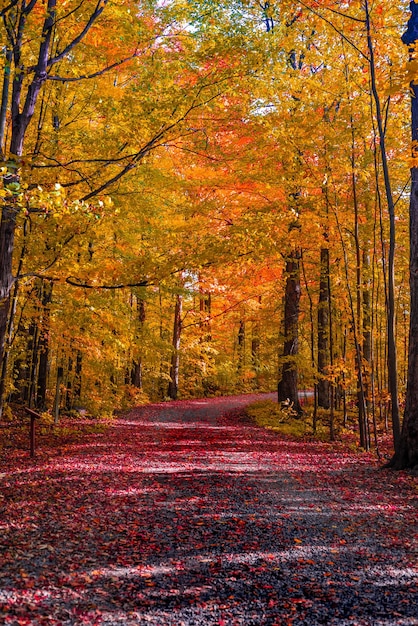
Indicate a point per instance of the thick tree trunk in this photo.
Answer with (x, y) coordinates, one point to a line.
(21, 114)
(7, 231)
(406, 452)
(173, 385)
(288, 383)
(323, 331)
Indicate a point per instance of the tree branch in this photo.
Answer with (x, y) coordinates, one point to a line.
(75, 282)
(100, 7)
(74, 79)
(10, 6)
(337, 30)
(349, 17)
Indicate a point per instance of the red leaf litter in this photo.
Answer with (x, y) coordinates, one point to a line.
(184, 513)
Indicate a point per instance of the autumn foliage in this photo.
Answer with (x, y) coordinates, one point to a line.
(163, 163)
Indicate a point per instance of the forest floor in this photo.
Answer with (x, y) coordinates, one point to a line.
(185, 513)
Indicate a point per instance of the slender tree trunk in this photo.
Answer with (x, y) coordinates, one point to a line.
(361, 398)
(331, 357)
(323, 332)
(367, 330)
(205, 305)
(241, 348)
(255, 349)
(173, 385)
(137, 367)
(353, 321)
(69, 385)
(392, 355)
(77, 377)
(33, 365)
(344, 353)
(312, 344)
(288, 383)
(44, 346)
(57, 397)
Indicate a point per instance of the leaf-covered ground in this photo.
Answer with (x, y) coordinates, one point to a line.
(184, 513)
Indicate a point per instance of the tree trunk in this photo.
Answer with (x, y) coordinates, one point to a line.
(288, 383)
(323, 331)
(205, 306)
(137, 366)
(392, 353)
(77, 377)
(69, 385)
(44, 347)
(7, 230)
(255, 351)
(22, 110)
(367, 332)
(406, 452)
(241, 348)
(173, 385)
(312, 345)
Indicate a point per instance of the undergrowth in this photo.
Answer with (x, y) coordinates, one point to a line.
(286, 421)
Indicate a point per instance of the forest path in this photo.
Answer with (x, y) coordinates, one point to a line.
(184, 513)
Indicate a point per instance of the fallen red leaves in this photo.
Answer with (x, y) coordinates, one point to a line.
(180, 514)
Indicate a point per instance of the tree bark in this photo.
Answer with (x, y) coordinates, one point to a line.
(406, 452)
(323, 331)
(173, 385)
(288, 383)
(137, 366)
(205, 306)
(241, 348)
(77, 377)
(43, 346)
(392, 353)
(21, 117)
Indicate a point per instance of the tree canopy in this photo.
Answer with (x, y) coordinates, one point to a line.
(174, 173)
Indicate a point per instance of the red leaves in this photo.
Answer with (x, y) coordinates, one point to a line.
(176, 510)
